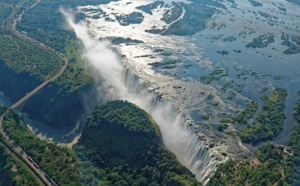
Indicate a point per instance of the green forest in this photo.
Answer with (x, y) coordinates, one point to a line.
(271, 167)
(22, 56)
(295, 143)
(125, 146)
(12, 172)
(269, 121)
(244, 116)
(57, 161)
(22, 59)
(120, 145)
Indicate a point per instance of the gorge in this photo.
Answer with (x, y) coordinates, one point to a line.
(120, 83)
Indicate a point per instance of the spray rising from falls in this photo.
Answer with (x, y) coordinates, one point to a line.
(121, 83)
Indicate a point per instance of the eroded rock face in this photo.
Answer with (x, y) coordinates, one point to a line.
(55, 109)
(15, 85)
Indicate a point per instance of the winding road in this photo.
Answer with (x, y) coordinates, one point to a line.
(10, 145)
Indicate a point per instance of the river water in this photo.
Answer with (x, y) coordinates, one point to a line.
(249, 70)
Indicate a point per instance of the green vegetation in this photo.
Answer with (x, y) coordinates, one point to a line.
(224, 87)
(294, 143)
(271, 167)
(291, 41)
(58, 162)
(223, 52)
(264, 89)
(205, 117)
(270, 118)
(132, 18)
(255, 3)
(229, 39)
(261, 41)
(2, 109)
(120, 40)
(169, 66)
(23, 65)
(222, 127)
(43, 22)
(12, 172)
(244, 116)
(22, 56)
(148, 8)
(169, 16)
(169, 62)
(215, 75)
(216, 71)
(210, 97)
(266, 15)
(172, 14)
(125, 145)
(277, 77)
(209, 79)
(196, 13)
(226, 120)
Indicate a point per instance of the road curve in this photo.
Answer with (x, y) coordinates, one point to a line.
(16, 150)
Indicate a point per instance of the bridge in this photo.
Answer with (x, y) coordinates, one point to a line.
(10, 146)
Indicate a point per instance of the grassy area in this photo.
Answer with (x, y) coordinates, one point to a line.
(74, 77)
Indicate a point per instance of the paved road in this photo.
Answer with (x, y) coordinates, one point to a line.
(39, 173)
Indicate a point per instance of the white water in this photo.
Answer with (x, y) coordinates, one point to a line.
(120, 83)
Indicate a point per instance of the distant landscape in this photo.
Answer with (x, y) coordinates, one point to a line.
(120, 92)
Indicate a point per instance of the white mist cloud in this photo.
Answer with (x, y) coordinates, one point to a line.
(99, 55)
(176, 136)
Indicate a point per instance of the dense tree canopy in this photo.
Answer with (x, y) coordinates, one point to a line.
(125, 145)
(270, 119)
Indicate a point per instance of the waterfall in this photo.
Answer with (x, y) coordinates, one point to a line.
(177, 132)
(121, 83)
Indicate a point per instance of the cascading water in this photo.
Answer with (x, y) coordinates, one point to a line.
(121, 83)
